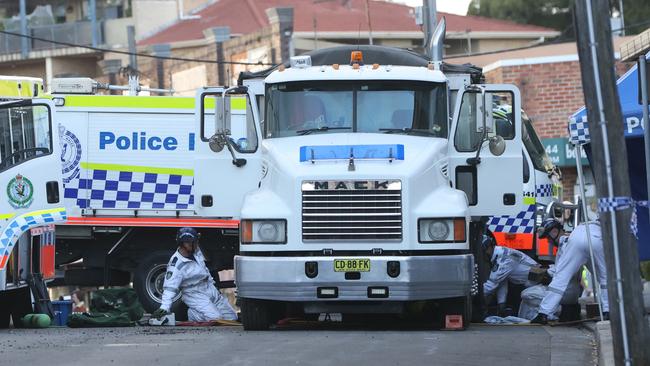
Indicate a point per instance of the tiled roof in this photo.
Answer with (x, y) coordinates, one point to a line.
(247, 16)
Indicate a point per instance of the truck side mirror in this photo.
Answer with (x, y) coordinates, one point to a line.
(497, 145)
(216, 114)
(217, 142)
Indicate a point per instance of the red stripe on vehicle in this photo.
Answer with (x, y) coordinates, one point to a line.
(519, 241)
(152, 222)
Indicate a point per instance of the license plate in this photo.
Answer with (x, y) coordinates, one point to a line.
(352, 265)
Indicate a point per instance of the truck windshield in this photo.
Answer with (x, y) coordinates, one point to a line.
(25, 133)
(382, 106)
(541, 160)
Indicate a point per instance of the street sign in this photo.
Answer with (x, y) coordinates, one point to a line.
(561, 152)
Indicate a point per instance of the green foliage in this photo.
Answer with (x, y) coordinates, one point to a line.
(557, 14)
(645, 270)
(636, 12)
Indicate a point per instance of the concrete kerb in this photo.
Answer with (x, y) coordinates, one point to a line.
(603, 332)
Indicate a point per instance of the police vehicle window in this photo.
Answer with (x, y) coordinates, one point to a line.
(25, 133)
(502, 114)
(526, 168)
(538, 156)
(297, 108)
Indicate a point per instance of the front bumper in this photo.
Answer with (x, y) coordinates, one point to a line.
(420, 278)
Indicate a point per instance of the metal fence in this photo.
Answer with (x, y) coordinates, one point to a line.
(79, 33)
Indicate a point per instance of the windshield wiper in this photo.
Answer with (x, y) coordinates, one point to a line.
(409, 131)
(320, 129)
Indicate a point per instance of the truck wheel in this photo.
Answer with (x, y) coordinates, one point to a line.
(5, 312)
(255, 314)
(21, 304)
(148, 282)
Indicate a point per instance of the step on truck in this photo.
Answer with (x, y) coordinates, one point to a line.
(31, 202)
(376, 183)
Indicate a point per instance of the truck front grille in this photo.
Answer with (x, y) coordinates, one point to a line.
(352, 210)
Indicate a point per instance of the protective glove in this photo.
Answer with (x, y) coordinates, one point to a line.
(159, 313)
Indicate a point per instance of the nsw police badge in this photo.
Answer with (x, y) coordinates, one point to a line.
(20, 192)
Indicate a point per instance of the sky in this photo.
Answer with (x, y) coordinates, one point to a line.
(447, 6)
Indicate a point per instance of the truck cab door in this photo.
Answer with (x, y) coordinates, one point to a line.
(30, 172)
(228, 163)
(485, 159)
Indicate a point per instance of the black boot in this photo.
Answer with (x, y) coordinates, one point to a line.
(606, 315)
(540, 319)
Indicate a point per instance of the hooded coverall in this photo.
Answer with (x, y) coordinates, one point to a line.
(533, 296)
(192, 278)
(508, 265)
(575, 254)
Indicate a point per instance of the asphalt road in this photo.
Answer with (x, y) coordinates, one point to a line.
(341, 345)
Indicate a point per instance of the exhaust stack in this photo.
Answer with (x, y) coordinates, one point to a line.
(436, 45)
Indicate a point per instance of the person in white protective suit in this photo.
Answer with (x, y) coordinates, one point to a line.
(575, 254)
(508, 265)
(533, 296)
(187, 273)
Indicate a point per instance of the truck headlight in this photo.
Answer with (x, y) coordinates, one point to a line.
(441, 230)
(263, 232)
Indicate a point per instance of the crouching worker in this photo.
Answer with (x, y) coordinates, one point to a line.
(508, 265)
(575, 254)
(187, 273)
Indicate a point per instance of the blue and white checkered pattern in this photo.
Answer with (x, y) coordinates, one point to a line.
(20, 224)
(579, 131)
(522, 223)
(609, 204)
(544, 190)
(131, 190)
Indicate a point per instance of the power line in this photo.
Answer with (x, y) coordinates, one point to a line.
(99, 49)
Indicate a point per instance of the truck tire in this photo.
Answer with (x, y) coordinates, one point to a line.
(5, 311)
(148, 280)
(95, 277)
(20, 301)
(255, 314)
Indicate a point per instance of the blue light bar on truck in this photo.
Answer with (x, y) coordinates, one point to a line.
(338, 152)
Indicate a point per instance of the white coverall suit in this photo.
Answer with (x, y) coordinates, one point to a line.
(508, 265)
(533, 296)
(193, 279)
(575, 254)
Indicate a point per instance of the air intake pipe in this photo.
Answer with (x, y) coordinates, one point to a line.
(436, 46)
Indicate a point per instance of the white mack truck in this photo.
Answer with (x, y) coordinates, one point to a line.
(135, 168)
(379, 172)
(31, 198)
